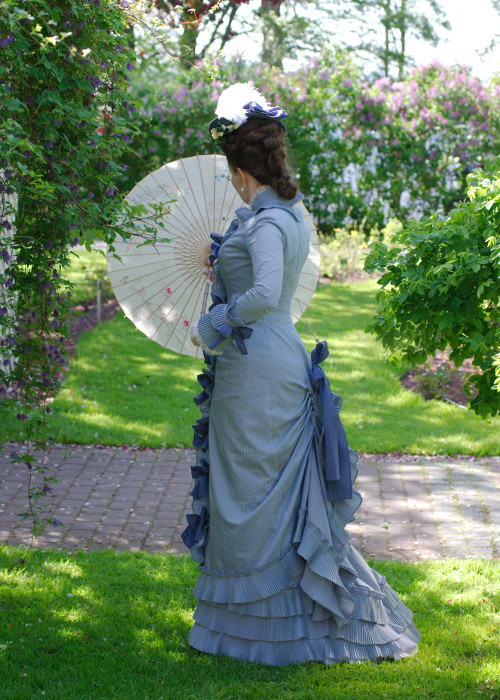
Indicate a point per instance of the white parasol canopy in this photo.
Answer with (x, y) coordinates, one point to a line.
(162, 287)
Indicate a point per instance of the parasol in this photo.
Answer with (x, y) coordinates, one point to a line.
(162, 287)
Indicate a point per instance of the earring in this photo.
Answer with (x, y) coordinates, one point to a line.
(242, 189)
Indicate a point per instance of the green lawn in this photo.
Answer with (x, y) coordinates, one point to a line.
(114, 625)
(125, 389)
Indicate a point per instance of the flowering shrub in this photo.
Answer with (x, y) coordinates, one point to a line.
(362, 150)
(386, 149)
(64, 129)
(443, 289)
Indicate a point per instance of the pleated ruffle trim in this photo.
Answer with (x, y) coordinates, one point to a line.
(310, 603)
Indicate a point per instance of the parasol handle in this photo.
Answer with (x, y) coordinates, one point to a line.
(204, 305)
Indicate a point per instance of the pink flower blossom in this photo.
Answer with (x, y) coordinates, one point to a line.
(173, 110)
(347, 83)
(182, 141)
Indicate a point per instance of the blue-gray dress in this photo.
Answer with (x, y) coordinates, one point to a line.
(279, 580)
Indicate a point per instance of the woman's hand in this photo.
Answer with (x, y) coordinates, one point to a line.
(208, 272)
(193, 334)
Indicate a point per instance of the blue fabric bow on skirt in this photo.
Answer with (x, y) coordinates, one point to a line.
(337, 468)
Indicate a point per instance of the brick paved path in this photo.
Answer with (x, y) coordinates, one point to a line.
(413, 507)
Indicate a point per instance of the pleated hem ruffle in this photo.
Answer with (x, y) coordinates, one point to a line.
(298, 638)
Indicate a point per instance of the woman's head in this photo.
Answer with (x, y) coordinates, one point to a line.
(259, 148)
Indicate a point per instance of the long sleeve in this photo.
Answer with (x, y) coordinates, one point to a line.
(265, 247)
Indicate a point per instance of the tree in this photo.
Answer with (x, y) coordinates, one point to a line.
(192, 18)
(400, 19)
(441, 287)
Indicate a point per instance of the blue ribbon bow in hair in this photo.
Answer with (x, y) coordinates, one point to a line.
(273, 112)
(337, 468)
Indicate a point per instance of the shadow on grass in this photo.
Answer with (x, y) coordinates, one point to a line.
(102, 625)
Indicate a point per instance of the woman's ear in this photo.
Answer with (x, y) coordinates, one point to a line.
(244, 177)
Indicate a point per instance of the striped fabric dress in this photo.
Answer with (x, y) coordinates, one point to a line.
(279, 580)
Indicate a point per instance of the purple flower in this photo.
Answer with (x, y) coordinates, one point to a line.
(129, 66)
(4, 43)
(49, 144)
(55, 522)
(7, 174)
(173, 110)
(153, 149)
(90, 195)
(6, 224)
(9, 283)
(103, 64)
(3, 311)
(347, 83)
(123, 166)
(119, 48)
(5, 256)
(22, 416)
(110, 192)
(74, 226)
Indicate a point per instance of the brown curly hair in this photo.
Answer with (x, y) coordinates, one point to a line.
(259, 147)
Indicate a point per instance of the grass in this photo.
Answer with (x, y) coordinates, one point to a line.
(84, 272)
(124, 389)
(114, 625)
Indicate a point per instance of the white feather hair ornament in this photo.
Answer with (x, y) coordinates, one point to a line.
(232, 99)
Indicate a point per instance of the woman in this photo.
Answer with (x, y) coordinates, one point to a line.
(280, 582)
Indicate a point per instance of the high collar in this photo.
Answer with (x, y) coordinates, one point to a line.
(269, 199)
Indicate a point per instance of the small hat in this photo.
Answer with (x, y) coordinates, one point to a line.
(236, 105)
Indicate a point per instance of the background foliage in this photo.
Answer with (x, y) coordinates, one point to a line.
(362, 150)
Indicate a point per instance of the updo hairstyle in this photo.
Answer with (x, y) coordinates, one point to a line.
(258, 147)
